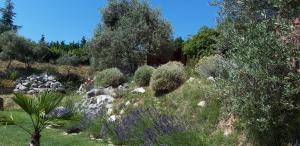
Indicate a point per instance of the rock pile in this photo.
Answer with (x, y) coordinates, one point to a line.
(99, 101)
(92, 107)
(38, 83)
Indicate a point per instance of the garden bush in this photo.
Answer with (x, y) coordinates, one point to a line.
(214, 66)
(69, 60)
(145, 126)
(143, 75)
(109, 77)
(167, 77)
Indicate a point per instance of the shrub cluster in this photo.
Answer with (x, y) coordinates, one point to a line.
(145, 127)
(109, 77)
(143, 75)
(214, 66)
(167, 77)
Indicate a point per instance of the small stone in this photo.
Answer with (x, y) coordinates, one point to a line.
(127, 103)
(109, 111)
(34, 85)
(122, 112)
(112, 118)
(139, 90)
(211, 79)
(31, 92)
(202, 104)
(51, 78)
(23, 88)
(190, 79)
(26, 83)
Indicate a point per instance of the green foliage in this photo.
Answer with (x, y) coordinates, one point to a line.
(264, 87)
(12, 44)
(13, 74)
(130, 31)
(70, 54)
(201, 44)
(109, 77)
(37, 108)
(11, 135)
(143, 75)
(167, 77)
(41, 51)
(7, 19)
(235, 15)
(68, 60)
(214, 66)
(6, 120)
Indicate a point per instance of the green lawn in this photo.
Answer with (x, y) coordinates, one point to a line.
(11, 135)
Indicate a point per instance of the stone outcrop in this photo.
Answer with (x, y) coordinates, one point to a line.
(38, 83)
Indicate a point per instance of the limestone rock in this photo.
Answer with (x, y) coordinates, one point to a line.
(139, 90)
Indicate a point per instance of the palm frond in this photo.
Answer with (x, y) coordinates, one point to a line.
(25, 102)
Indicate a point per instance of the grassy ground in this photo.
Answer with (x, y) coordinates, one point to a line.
(12, 135)
(182, 103)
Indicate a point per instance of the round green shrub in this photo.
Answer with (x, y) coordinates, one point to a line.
(143, 75)
(109, 77)
(214, 66)
(168, 77)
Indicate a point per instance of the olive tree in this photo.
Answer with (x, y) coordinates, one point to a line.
(263, 85)
(16, 47)
(129, 31)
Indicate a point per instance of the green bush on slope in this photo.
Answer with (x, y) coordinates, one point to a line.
(109, 77)
(168, 77)
(143, 75)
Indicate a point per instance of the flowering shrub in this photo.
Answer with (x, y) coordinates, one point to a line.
(143, 127)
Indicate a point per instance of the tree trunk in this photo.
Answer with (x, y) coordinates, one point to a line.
(35, 139)
(9, 63)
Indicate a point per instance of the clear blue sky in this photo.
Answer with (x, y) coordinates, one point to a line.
(69, 20)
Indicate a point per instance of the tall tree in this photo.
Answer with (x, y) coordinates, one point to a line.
(41, 50)
(130, 30)
(16, 47)
(7, 19)
(83, 42)
(201, 44)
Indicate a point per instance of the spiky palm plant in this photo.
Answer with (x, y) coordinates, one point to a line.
(38, 109)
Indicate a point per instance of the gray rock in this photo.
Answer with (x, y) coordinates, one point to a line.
(51, 78)
(93, 106)
(109, 91)
(32, 92)
(26, 83)
(91, 93)
(22, 88)
(34, 85)
(139, 90)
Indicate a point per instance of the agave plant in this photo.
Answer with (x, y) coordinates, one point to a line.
(38, 109)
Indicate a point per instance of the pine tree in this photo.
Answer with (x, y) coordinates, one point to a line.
(83, 42)
(7, 19)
